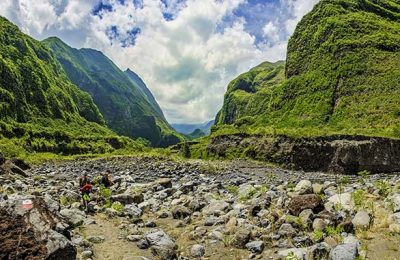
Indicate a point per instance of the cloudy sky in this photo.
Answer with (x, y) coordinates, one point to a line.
(186, 51)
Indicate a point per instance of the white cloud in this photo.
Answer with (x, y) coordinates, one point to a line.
(186, 62)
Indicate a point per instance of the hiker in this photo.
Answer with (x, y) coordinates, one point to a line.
(85, 186)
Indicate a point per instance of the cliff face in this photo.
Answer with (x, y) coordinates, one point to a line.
(341, 74)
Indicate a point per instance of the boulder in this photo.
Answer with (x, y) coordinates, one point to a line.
(344, 252)
(132, 211)
(241, 238)
(216, 207)
(361, 220)
(164, 182)
(197, 251)
(255, 247)
(161, 244)
(128, 198)
(303, 187)
(31, 231)
(340, 201)
(180, 212)
(73, 217)
(302, 202)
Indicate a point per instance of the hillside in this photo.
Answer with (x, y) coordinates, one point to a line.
(341, 76)
(128, 107)
(40, 109)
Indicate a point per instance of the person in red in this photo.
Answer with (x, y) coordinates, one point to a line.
(85, 186)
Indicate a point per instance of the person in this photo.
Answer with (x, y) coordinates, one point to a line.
(85, 186)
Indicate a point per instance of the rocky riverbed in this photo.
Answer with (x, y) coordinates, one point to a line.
(164, 209)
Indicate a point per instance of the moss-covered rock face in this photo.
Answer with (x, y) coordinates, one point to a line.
(124, 100)
(341, 75)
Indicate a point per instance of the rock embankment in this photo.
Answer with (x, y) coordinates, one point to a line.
(337, 154)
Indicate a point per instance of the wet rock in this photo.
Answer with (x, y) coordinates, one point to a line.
(180, 212)
(197, 251)
(344, 252)
(241, 238)
(255, 247)
(303, 187)
(361, 220)
(302, 202)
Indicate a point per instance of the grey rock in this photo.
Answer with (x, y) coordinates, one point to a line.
(344, 252)
(241, 237)
(197, 251)
(74, 217)
(287, 230)
(133, 211)
(303, 187)
(255, 246)
(361, 220)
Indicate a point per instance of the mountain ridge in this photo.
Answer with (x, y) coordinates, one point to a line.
(123, 101)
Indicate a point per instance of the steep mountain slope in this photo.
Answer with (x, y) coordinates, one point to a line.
(126, 107)
(139, 84)
(40, 109)
(341, 76)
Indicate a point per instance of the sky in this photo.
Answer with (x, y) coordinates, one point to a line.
(186, 51)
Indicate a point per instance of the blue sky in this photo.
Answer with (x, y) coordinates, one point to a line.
(186, 51)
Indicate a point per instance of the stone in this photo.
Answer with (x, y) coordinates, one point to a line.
(319, 224)
(306, 216)
(394, 228)
(142, 244)
(241, 237)
(86, 254)
(255, 247)
(128, 198)
(319, 251)
(295, 253)
(216, 207)
(164, 182)
(344, 252)
(303, 187)
(287, 230)
(395, 202)
(197, 251)
(73, 217)
(96, 239)
(134, 238)
(163, 253)
(340, 201)
(131, 210)
(302, 202)
(361, 220)
(317, 188)
(160, 239)
(180, 212)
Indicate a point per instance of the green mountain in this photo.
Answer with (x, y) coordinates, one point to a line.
(40, 109)
(139, 84)
(341, 76)
(126, 104)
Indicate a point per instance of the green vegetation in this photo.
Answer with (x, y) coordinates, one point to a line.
(42, 113)
(127, 105)
(340, 77)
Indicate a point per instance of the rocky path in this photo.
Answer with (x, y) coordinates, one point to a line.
(164, 209)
